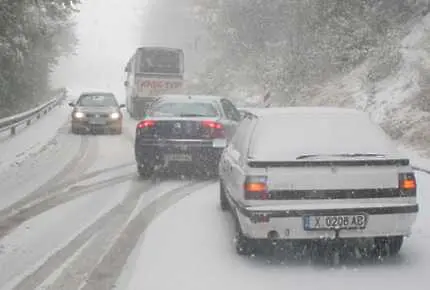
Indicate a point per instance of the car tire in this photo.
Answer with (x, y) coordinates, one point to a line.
(75, 130)
(244, 245)
(214, 171)
(223, 198)
(389, 246)
(145, 171)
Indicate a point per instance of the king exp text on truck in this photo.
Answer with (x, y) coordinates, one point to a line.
(152, 71)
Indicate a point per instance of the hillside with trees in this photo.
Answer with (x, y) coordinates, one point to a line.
(286, 45)
(33, 35)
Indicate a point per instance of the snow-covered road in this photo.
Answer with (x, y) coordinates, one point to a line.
(191, 247)
(76, 210)
(86, 221)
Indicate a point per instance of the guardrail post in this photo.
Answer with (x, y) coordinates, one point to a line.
(12, 131)
(28, 122)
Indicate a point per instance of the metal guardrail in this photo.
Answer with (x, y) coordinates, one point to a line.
(11, 123)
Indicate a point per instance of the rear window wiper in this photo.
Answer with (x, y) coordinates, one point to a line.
(352, 155)
(193, 115)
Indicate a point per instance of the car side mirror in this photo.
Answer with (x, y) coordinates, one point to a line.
(122, 106)
(71, 104)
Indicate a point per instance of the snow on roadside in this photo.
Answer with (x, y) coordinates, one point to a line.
(38, 168)
(31, 140)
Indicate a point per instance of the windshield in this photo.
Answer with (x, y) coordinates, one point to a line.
(160, 61)
(184, 109)
(97, 100)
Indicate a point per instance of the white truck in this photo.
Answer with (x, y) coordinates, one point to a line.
(150, 72)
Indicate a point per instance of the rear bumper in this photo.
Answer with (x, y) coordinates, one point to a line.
(202, 152)
(382, 222)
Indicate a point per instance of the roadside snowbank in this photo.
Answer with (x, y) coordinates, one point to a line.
(29, 141)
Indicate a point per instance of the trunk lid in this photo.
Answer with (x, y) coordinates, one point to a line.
(180, 128)
(340, 178)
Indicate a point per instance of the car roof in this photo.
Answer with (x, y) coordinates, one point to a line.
(183, 97)
(286, 133)
(96, 93)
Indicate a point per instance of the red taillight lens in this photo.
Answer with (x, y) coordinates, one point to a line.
(255, 188)
(212, 124)
(145, 124)
(407, 182)
(216, 130)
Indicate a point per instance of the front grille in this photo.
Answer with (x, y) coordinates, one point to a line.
(100, 115)
(339, 194)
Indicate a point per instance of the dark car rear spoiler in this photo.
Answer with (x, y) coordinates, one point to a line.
(318, 163)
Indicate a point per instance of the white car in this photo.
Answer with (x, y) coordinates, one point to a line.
(316, 173)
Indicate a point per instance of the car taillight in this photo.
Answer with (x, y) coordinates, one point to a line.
(255, 188)
(216, 130)
(145, 124)
(407, 183)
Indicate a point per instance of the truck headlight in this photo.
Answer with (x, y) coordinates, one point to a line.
(115, 116)
(79, 115)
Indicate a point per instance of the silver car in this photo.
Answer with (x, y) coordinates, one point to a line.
(316, 174)
(96, 112)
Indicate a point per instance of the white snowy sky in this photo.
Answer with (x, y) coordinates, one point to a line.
(108, 33)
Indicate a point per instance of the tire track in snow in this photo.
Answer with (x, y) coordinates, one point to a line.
(85, 157)
(108, 270)
(26, 213)
(79, 270)
(56, 260)
(116, 237)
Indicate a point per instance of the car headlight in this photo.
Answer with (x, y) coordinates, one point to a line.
(115, 115)
(79, 115)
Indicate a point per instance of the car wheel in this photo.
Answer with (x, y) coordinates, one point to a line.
(214, 170)
(222, 197)
(75, 130)
(244, 245)
(145, 171)
(389, 246)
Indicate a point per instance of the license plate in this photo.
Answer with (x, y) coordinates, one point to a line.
(97, 122)
(334, 222)
(219, 143)
(178, 157)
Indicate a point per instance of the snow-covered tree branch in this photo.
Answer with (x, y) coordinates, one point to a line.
(33, 34)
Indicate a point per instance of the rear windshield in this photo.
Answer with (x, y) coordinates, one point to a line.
(289, 137)
(97, 100)
(184, 109)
